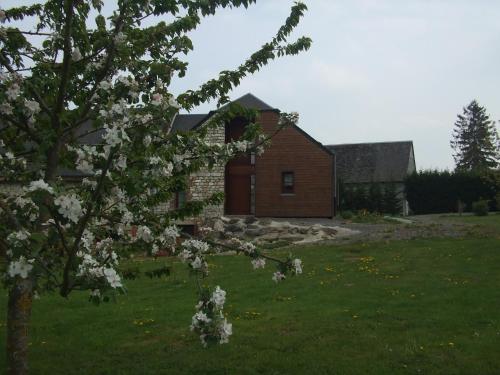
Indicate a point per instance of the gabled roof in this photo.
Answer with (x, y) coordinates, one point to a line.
(250, 101)
(182, 122)
(373, 162)
(186, 122)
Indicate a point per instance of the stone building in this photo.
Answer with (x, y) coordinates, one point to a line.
(361, 164)
(293, 178)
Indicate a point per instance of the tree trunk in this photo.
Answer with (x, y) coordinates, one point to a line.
(18, 317)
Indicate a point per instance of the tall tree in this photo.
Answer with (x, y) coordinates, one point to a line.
(80, 65)
(475, 140)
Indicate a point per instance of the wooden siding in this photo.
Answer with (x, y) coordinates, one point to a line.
(293, 151)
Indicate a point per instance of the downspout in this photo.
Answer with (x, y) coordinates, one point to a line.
(334, 185)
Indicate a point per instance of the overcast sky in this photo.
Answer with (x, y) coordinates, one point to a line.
(378, 70)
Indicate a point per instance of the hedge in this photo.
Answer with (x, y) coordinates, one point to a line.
(443, 191)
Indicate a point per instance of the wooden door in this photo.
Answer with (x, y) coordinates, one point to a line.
(237, 194)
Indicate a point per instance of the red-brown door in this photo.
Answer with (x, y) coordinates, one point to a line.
(237, 194)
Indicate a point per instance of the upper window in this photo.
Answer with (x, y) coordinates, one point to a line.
(287, 183)
(180, 199)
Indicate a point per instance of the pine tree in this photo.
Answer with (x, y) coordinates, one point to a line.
(475, 140)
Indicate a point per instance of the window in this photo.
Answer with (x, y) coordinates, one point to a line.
(180, 199)
(287, 183)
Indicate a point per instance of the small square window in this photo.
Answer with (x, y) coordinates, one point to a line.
(287, 183)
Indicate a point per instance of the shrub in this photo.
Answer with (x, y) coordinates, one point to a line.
(480, 208)
(346, 215)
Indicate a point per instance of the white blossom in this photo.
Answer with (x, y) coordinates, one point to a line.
(20, 267)
(22, 202)
(146, 118)
(156, 99)
(258, 263)
(225, 330)
(144, 233)
(88, 182)
(169, 235)
(32, 107)
(278, 276)
(87, 239)
(173, 103)
(209, 321)
(197, 263)
(13, 91)
(197, 245)
(6, 109)
(200, 317)
(112, 278)
(18, 237)
(76, 54)
(121, 163)
(218, 297)
(105, 85)
(40, 185)
(185, 255)
(70, 207)
(120, 38)
(155, 249)
(84, 166)
(297, 266)
(115, 135)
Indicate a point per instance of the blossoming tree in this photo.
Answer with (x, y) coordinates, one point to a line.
(79, 66)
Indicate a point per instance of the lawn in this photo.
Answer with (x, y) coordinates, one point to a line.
(492, 220)
(408, 307)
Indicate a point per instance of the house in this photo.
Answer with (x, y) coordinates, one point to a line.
(294, 177)
(362, 164)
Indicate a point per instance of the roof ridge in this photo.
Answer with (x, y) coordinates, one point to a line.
(369, 143)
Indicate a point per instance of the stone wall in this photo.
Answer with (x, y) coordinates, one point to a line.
(205, 183)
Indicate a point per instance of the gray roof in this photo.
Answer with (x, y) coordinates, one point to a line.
(93, 137)
(373, 162)
(250, 101)
(187, 122)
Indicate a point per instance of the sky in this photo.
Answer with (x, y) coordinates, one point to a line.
(378, 70)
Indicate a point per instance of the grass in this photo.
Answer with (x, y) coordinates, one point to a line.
(406, 307)
(492, 220)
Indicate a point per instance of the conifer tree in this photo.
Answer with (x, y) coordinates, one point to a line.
(475, 140)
